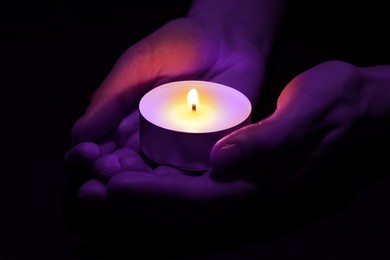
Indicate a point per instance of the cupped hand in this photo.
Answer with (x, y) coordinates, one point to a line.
(323, 114)
(181, 49)
(107, 135)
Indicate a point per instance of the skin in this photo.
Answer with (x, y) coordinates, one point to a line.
(319, 114)
(322, 114)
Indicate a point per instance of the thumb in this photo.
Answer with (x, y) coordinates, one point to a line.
(120, 90)
(228, 151)
(97, 121)
(241, 145)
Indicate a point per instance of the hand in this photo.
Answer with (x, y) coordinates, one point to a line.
(323, 114)
(108, 134)
(182, 49)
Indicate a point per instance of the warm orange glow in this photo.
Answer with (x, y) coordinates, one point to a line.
(193, 100)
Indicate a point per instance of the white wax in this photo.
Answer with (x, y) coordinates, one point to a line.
(220, 107)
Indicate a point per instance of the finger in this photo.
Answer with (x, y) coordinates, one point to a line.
(127, 133)
(131, 141)
(93, 190)
(128, 125)
(83, 152)
(106, 166)
(133, 163)
(107, 146)
(97, 122)
(124, 159)
(87, 152)
(124, 151)
(130, 160)
(80, 158)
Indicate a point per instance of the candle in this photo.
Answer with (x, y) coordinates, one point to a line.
(181, 121)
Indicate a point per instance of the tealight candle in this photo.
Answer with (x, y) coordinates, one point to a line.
(181, 121)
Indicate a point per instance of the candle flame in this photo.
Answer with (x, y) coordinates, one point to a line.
(193, 100)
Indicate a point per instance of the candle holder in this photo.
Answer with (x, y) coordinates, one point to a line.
(181, 121)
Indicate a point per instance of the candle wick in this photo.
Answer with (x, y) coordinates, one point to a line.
(193, 107)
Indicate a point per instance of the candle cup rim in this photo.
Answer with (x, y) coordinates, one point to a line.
(203, 84)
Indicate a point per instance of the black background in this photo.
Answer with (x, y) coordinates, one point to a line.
(55, 53)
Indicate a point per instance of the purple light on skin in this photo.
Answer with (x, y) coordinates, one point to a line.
(173, 133)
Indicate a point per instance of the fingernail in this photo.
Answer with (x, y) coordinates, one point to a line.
(227, 155)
